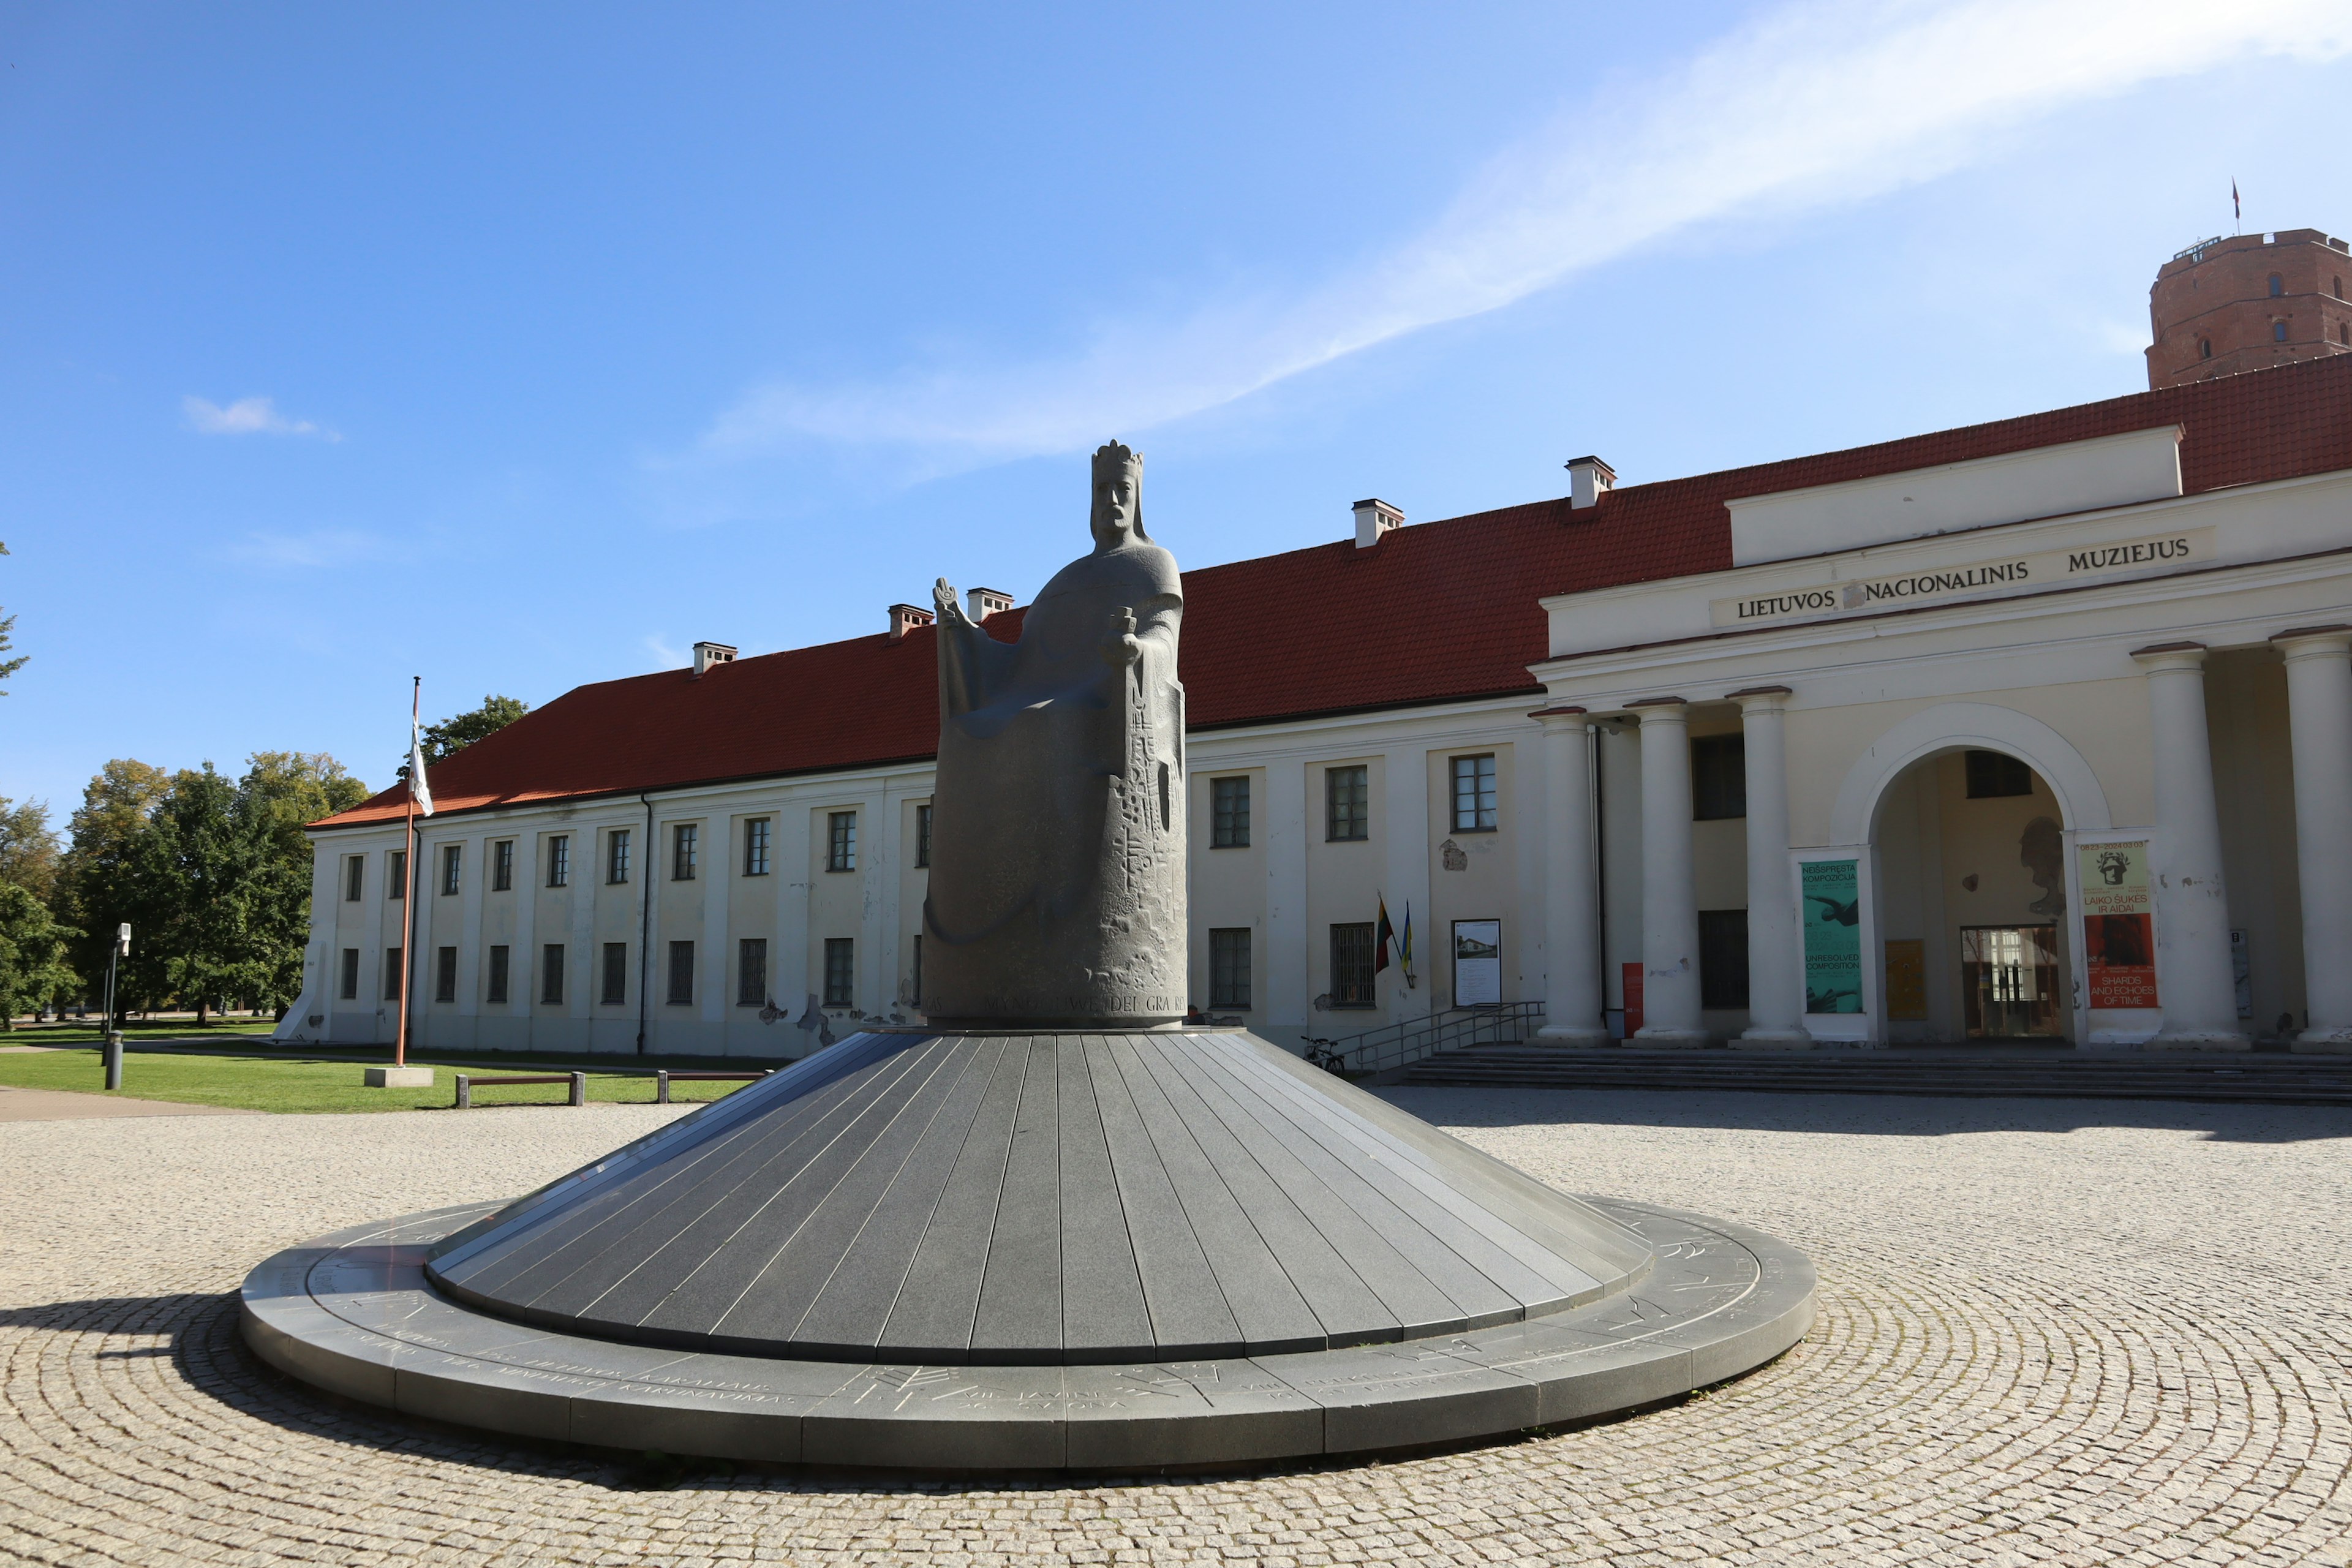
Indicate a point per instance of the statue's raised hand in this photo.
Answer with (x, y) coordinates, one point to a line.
(943, 594)
(1123, 647)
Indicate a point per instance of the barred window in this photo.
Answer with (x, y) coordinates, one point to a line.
(392, 975)
(551, 975)
(685, 844)
(450, 854)
(502, 866)
(841, 841)
(559, 860)
(840, 971)
(351, 987)
(1718, 777)
(395, 874)
(616, 975)
(445, 974)
(752, 972)
(354, 877)
(755, 846)
(1229, 966)
(1474, 794)
(1229, 814)
(923, 833)
(1993, 774)
(1351, 965)
(681, 974)
(617, 855)
(497, 989)
(1347, 802)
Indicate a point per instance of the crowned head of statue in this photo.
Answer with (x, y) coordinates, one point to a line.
(1117, 516)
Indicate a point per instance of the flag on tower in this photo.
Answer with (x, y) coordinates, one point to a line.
(1382, 935)
(2237, 207)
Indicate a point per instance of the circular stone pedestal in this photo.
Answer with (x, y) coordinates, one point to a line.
(1033, 1252)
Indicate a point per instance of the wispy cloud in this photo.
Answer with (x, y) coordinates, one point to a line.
(319, 547)
(248, 417)
(664, 656)
(1813, 106)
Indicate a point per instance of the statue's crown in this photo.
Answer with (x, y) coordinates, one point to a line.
(1113, 455)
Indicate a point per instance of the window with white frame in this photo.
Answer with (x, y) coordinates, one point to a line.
(840, 971)
(451, 856)
(1229, 812)
(617, 855)
(559, 860)
(502, 866)
(351, 986)
(755, 845)
(1229, 966)
(494, 990)
(550, 974)
(1347, 802)
(841, 841)
(1474, 794)
(685, 849)
(354, 877)
(681, 974)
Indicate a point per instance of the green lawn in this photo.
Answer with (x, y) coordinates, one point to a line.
(303, 1084)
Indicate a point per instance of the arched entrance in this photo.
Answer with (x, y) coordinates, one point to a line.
(1967, 813)
(1971, 876)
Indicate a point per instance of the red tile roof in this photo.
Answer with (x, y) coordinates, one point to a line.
(1439, 612)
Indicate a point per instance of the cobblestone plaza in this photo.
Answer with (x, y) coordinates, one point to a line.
(2052, 1331)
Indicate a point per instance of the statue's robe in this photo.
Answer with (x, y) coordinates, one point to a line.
(1057, 825)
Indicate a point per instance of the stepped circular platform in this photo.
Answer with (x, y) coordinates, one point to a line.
(1033, 1251)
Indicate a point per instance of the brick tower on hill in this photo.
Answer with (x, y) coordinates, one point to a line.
(2249, 302)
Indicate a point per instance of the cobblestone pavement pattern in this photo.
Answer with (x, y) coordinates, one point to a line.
(2051, 1332)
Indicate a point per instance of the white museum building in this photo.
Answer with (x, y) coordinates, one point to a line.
(2034, 730)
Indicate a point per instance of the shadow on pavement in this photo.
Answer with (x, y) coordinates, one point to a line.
(1891, 1115)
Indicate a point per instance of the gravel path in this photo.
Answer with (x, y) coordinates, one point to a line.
(2051, 1332)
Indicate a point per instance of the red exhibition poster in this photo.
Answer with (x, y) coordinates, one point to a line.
(2118, 932)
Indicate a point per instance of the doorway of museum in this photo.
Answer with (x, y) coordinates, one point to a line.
(1971, 852)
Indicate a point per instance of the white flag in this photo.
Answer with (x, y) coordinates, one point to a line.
(418, 790)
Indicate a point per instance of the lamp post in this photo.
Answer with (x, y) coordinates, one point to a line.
(115, 954)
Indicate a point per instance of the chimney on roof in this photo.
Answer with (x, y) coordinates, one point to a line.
(707, 654)
(1587, 479)
(982, 602)
(1373, 519)
(905, 618)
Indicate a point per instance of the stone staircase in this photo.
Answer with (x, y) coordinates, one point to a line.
(2041, 1072)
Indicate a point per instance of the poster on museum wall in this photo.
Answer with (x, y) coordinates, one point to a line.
(1478, 963)
(1906, 979)
(2118, 929)
(1832, 905)
(1631, 974)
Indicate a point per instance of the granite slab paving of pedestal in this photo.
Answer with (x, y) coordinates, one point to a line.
(1053, 1198)
(343, 1310)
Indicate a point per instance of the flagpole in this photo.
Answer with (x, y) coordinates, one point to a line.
(408, 894)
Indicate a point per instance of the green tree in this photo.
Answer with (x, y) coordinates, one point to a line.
(29, 850)
(9, 666)
(201, 878)
(33, 966)
(452, 735)
(281, 792)
(99, 885)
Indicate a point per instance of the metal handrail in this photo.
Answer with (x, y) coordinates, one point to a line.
(1396, 1045)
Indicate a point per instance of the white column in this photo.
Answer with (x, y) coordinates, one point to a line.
(2194, 981)
(2319, 717)
(1286, 821)
(1775, 959)
(1670, 1010)
(1572, 994)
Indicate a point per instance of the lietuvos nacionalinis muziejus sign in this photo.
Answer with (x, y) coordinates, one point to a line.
(2014, 572)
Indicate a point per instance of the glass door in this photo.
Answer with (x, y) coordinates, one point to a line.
(2009, 982)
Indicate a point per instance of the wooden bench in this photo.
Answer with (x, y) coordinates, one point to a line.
(577, 1080)
(664, 1078)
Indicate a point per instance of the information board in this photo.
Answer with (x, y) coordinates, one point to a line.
(1478, 963)
(2118, 928)
(1832, 905)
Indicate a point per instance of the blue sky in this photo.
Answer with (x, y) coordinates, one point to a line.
(518, 347)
